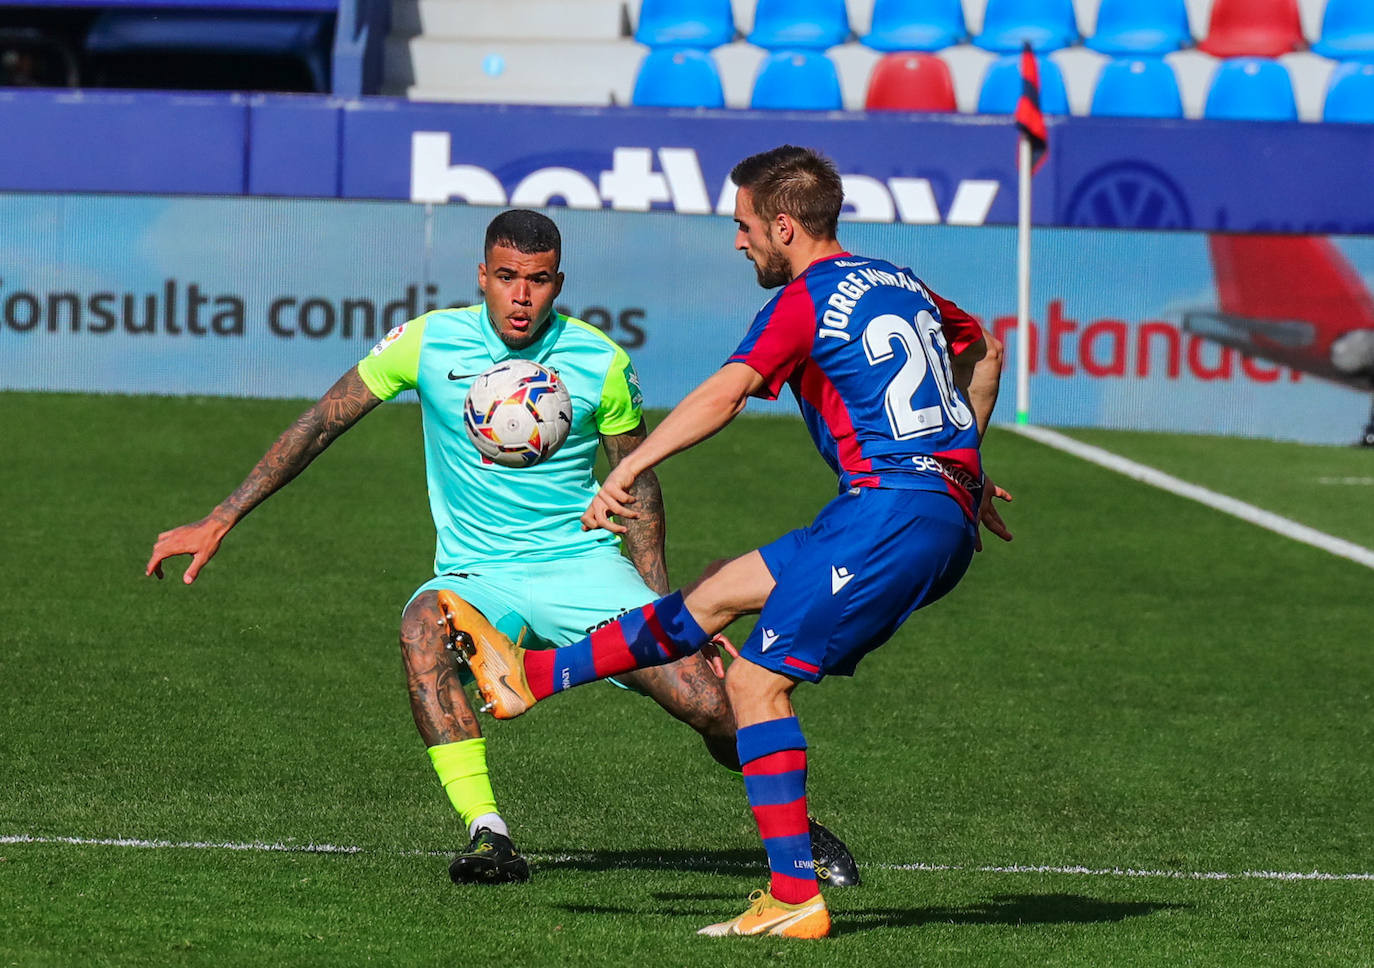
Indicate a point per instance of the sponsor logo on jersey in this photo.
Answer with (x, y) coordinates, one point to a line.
(850, 263)
(769, 637)
(388, 339)
(839, 577)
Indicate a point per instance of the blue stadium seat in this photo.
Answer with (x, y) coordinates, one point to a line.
(1045, 24)
(1347, 30)
(797, 81)
(800, 24)
(685, 23)
(149, 35)
(903, 25)
(1141, 27)
(682, 78)
(1251, 89)
(1002, 87)
(1350, 95)
(1137, 87)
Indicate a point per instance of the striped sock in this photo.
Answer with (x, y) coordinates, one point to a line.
(774, 757)
(656, 634)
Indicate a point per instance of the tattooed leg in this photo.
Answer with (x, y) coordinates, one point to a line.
(437, 700)
(690, 691)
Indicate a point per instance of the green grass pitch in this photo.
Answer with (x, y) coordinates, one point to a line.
(1137, 682)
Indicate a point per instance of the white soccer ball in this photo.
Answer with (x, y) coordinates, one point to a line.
(518, 413)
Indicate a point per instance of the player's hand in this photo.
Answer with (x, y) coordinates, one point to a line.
(711, 652)
(200, 540)
(614, 498)
(988, 516)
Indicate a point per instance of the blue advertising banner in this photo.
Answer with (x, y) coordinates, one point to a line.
(1224, 176)
(276, 298)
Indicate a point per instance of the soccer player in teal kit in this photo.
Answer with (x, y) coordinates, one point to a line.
(502, 532)
(896, 386)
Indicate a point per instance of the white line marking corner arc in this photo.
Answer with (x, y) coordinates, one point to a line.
(1220, 502)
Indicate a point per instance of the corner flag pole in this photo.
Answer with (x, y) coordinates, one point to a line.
(1023, 241)
(1032, 144)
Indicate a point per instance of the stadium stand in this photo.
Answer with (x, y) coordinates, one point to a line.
(501, 50)
(797, 81)
(799, 24)
(916, 25)
(1253, 28)
(1002, 87)
(1350, 98)
(685, 23)
(1347, 31)
(682, 78)
(228, 50)
(1141, 27)
(911, 82)
(1045, 24)
(1138, 88)
(32, 57)
(1251, 89)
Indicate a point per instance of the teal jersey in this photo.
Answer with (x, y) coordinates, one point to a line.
(484, 512)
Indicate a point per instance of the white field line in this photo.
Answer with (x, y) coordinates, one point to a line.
(700, 863)
(1351, 481)
(1227, 505)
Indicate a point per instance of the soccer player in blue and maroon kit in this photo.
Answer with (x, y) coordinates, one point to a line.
(896, 386)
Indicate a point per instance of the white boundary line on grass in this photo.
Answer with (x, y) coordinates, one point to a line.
(703, 862)
(1227, 505)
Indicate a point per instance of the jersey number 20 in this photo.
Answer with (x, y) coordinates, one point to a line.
(926, 354)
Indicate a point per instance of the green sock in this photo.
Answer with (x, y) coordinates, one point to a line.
(462, 769)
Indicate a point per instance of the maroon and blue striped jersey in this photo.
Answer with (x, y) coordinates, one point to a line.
(866, 349)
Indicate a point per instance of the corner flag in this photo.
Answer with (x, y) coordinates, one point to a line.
(1029, 118)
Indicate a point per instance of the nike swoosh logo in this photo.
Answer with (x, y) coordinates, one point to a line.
(461, 376)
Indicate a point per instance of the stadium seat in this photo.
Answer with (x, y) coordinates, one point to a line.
(911, 82)
(682, 78)
(1251, 89)
(150, 48)
(800, 24)
(1253, 28)
(1137, 88)
(797, 81)
(1141, 27)
(1002, 87)
(1350, 98)
(685, 23)
(1347, 30)
(1044, 24)
(902, 25)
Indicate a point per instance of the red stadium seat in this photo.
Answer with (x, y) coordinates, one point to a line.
(1253, 28)
(910, 82)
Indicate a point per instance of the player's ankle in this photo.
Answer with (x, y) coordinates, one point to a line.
(491, 821)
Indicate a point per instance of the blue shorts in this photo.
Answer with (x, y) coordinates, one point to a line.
(846, 582)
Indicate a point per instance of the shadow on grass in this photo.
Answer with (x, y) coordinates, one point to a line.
(1002, 909)
(702, 861)
(1009, 909)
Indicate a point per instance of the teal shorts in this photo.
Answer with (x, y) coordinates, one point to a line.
(553, 603)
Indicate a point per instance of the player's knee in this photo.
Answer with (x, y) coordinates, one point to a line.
(422, 625)
(747, 683)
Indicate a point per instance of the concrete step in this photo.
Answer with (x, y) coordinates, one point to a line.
(516, 19)
(533, 72)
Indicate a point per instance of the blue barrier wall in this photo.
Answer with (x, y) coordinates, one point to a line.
(264, 297)
(916, 169)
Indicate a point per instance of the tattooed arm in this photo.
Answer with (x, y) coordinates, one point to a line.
(343, 406)
(644, 534)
